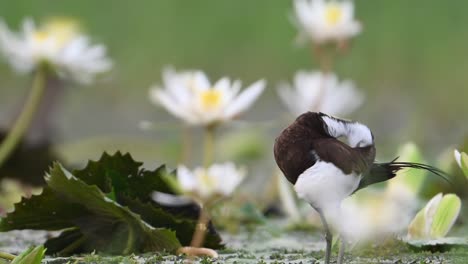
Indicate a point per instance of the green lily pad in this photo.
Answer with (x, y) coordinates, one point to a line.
(438, 245)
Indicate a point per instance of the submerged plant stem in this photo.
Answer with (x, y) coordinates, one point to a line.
(186, 145)
(7, 256)
(200, 230)
(325, 58)
(209, 145)
(25, 118)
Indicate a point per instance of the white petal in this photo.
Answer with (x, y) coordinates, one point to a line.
(170, 199)
(28, 26)
(309, 87)
(342, 99)
(347, 9)
(161, 97)
(457, 155)
(223, 85)
(201, 81)
(289, 99)
(227, 177)
(186, 179)
(206, 183)
(303, 12)
(245, 99)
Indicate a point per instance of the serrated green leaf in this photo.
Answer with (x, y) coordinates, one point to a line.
(122, 177)
(91, 205)
(185, 227)
(111, 227)
(413, 179)
(120, 174)
(43, 212)
(445, 215)
(107, 207)
(30, 256)
(416, 229)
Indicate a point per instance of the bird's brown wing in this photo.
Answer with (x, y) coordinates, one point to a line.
(344, 157)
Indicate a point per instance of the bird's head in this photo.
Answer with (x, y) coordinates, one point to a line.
(357, 134)
(360, 136)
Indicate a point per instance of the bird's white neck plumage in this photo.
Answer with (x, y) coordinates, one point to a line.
(357, 134)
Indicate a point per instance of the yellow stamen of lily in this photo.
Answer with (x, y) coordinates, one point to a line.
(333, 14)
(210, 98)
(207, 181)
(40, 36)
(61, 30)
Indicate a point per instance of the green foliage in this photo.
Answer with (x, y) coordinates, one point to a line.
(106, 207)
(436, 219)
(33, 255)
(243, 146)
(445, 215)
(413, 179)
(464, 163)
(417, 227)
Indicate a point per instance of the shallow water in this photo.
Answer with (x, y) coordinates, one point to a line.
(259, 247)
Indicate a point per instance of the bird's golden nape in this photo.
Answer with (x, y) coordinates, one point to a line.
(325, 170)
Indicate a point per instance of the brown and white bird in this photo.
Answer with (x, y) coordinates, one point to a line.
(325, 170)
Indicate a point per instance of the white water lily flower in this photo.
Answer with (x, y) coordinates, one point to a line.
(57, 43)
(324, 21)
(190, 96)
(316, 91)
(204, 184)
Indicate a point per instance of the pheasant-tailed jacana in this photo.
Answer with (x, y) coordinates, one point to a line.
(325, 170)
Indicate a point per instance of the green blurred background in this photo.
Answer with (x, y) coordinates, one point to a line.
(411, 60)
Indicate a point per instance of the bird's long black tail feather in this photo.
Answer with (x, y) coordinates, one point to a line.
(380, 172)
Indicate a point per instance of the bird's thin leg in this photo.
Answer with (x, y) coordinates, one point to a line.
(341, 252)
(328, 236)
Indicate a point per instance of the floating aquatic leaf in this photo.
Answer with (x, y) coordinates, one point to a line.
(438, 245)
